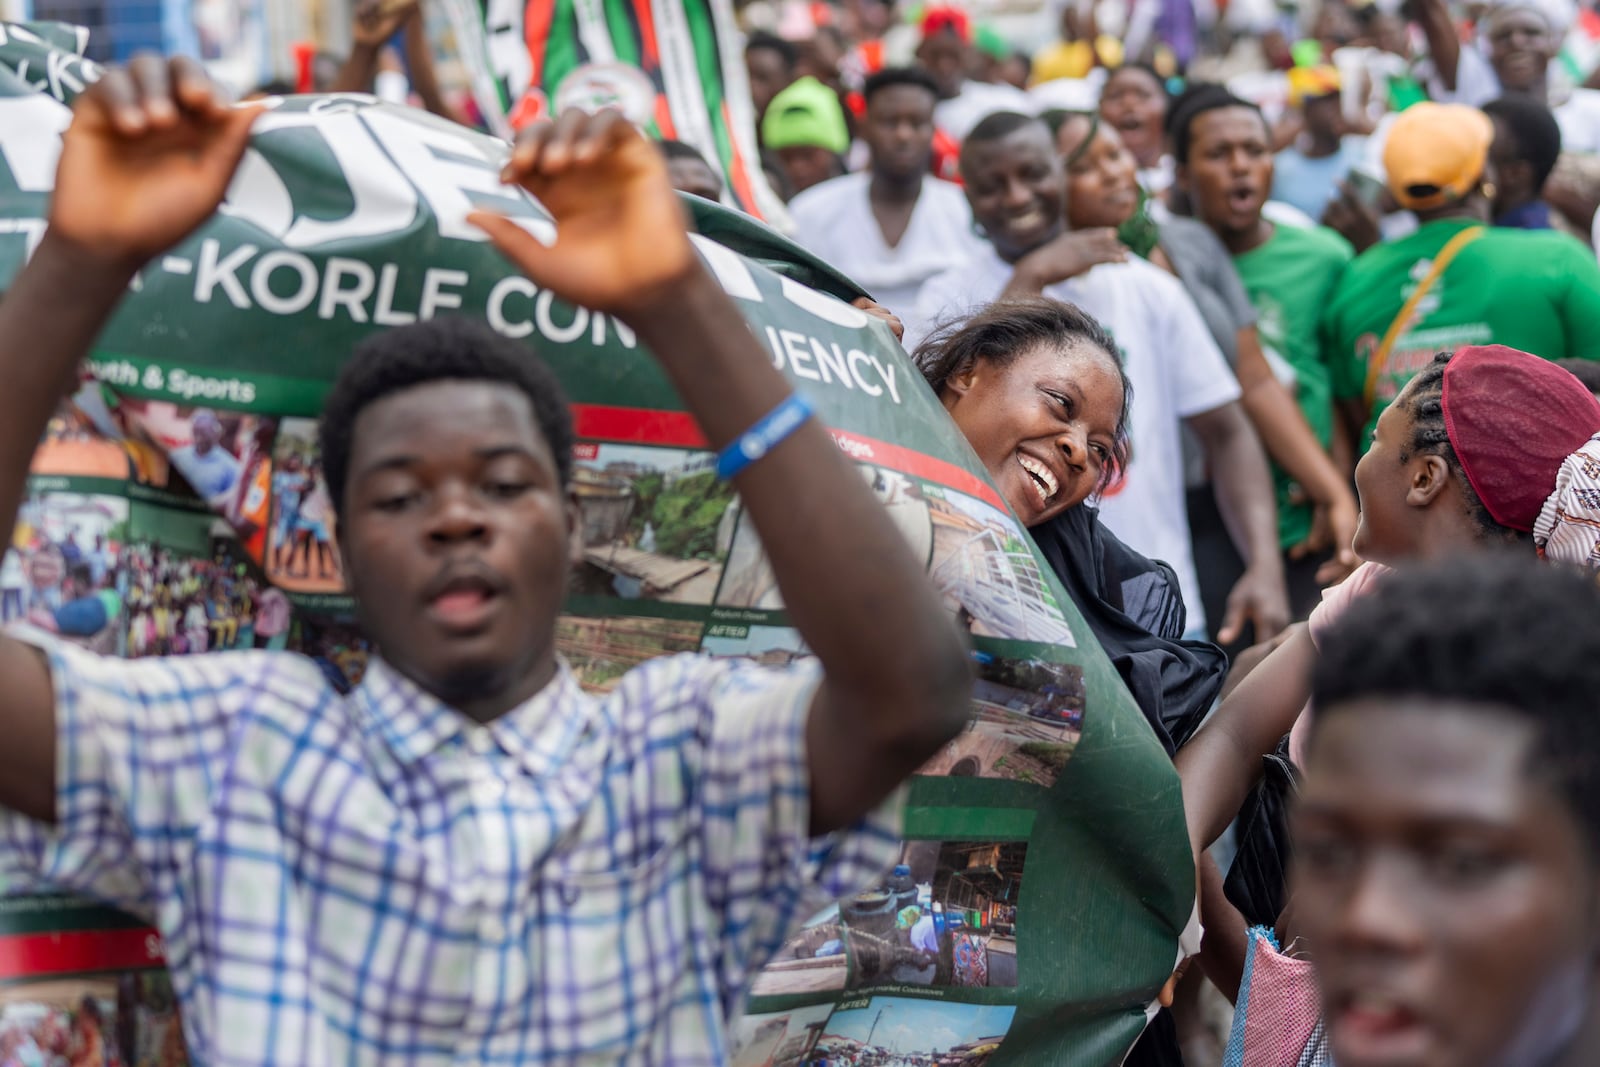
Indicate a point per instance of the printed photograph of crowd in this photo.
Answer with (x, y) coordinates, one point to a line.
(76, 571)
(60, 574)
(184, 605)
(903, 1032)
(123, 1020)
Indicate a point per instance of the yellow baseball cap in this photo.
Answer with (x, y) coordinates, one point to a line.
(1307, 83)
(1435, 153)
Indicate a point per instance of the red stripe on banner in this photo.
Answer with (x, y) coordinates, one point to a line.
(918, 465)
(738, 174)
(677, 429)
(664, 124)
(536, 19)
(650, 49)
(79, 951)
(641, 426)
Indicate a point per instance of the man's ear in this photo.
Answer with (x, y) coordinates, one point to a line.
(575, 543)
(1180, 178)
(1430, 475)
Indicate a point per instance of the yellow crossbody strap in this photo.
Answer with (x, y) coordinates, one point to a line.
(1380, 358)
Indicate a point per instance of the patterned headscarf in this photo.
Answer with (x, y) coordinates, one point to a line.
(1568, 527)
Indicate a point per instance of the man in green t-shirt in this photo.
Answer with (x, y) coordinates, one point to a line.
(1225, 166)
(1536, 290)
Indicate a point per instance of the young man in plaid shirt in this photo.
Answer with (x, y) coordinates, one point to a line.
(466, 860)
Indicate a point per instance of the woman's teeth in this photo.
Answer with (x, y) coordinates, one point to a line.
(1040, 474)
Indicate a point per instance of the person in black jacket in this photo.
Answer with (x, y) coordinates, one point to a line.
(1037, 388)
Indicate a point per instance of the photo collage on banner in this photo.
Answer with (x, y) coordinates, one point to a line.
(93, 989)
(671, 564)
(154, 529)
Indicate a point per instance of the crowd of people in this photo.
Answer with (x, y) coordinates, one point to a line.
(183, 605)
(1286, 319)
(1242, 271)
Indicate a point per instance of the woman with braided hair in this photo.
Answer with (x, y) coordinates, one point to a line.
(1487, 448)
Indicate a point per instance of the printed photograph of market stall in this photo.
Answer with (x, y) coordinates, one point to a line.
(983, 563)
(946, 915)
(813, 960)
(601, 650)
(780, 1038)
(656, 523)
(904, 1032)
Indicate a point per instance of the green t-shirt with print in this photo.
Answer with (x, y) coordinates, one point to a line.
(1289, 279)
(1536, 290)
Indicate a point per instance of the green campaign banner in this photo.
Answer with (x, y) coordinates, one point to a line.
(675, 67)
(177, 506)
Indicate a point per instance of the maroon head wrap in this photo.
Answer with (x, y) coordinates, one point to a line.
(1513, 419)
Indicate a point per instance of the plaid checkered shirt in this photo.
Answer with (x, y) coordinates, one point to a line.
(374, 878)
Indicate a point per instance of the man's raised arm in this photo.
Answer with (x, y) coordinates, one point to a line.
(898, 679)
(148, 156)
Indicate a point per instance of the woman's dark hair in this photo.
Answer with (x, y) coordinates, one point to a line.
(1009, 328)
(1057, 117)
(1497, 629)
(1424, 402)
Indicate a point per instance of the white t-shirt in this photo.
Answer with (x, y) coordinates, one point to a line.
(976, 102)
(1176, 371)
(1578, 113)
(1579, 118)
(835, 220)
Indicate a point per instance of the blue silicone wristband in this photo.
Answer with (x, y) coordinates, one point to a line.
(764, 436)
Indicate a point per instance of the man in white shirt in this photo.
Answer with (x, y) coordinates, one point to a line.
(1014, 183)
(208, 466)
(1516, 42)
(893, 226)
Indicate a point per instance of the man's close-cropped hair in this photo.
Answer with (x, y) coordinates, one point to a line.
(451, 348)
(1498, 629)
